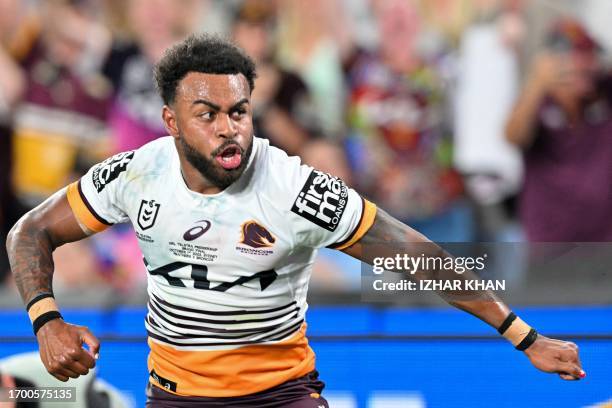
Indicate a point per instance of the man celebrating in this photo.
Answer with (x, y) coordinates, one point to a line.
(229, 228)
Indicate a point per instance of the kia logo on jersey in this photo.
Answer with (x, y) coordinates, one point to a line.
(197, 231)
(256, 235)
(147, 214)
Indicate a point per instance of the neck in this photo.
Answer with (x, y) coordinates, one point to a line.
(194, 180)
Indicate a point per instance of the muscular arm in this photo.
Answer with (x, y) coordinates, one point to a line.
(31, 242)
(387, 236)
(30, 246)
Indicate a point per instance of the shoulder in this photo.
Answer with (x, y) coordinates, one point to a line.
(279, 173)
(152, 158)
(155, 155)
(294, 187)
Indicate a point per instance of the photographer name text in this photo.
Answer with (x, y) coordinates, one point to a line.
(440, 284)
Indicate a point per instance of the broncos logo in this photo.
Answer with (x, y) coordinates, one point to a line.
(256, 236)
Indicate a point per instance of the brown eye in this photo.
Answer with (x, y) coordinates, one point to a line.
(207, 115)
(239, 113)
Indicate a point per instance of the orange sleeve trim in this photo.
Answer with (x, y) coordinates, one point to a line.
(82, 210)
(368, 214)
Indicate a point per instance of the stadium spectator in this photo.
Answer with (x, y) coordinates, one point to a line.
(13, 30)
(487, 81)
(283, 105)
(308, 43)
(142, 32)
(60, 119)
(58, 122)
(400, 145)
(563, 122)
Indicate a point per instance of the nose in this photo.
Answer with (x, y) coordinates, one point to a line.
(226, 128)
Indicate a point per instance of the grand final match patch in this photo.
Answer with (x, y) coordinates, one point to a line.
(322, 200)
(107, 171)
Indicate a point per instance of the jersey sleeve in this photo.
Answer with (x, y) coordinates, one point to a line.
(96, 198)
(328, 213)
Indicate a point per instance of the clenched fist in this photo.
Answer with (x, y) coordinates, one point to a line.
(61, 349)
(556, 356)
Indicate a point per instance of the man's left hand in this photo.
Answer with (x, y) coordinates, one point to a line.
(556, 356)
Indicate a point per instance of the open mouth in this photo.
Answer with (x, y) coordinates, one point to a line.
(230, 157)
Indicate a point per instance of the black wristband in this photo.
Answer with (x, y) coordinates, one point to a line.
(528, 340)
(507, 323)
(45, 318)
(38, 298)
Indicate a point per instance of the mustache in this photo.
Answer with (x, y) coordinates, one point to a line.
(225, 145)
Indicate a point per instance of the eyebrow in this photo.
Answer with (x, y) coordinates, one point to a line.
(217, 107)
(207, 103)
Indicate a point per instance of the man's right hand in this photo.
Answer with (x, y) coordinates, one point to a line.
(62, 352)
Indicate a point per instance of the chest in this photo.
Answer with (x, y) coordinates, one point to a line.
(213, 244)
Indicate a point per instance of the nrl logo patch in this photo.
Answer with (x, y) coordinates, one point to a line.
(147, 214)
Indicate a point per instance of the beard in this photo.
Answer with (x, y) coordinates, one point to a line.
(210, 169)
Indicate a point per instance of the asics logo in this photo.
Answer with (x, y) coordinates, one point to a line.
(197, 231)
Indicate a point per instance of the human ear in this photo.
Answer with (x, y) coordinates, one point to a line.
(169, 118)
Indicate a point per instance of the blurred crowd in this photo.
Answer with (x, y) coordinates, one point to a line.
(470, 120)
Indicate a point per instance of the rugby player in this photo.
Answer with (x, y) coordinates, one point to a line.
(229, 228)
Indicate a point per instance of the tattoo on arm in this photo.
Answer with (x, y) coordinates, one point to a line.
(31, 256)
(31, 242)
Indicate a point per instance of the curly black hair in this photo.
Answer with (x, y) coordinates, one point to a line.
(206, 53)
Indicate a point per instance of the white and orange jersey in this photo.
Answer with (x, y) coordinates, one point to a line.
(228, 272)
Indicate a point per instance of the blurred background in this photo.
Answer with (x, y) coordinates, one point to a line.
(470, 120)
